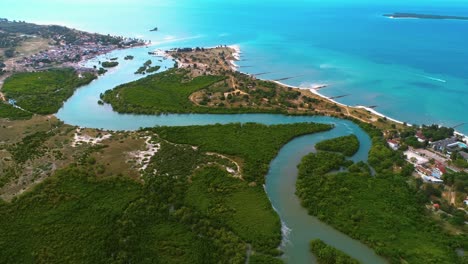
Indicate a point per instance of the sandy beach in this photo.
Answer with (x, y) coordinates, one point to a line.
(314, 90)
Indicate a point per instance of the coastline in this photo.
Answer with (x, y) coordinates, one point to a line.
(236, 55)
(83, 61)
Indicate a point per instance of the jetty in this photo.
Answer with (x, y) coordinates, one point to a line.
(287, 78)
(316, 88)
(458, 125)
(339, 96)
(261, 73)
(424, 16)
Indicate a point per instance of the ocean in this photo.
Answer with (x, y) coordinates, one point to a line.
(413, 70)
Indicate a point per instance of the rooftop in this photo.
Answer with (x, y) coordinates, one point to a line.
(463, 154)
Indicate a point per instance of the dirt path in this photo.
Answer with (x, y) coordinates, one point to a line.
(2, 80)
(238, 172)
(248, 253)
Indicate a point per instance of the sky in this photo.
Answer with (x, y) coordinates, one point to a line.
(6, 3)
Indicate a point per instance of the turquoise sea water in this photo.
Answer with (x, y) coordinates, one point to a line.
(413, 70)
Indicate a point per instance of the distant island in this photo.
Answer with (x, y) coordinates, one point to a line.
(154, 29)
(423, 16)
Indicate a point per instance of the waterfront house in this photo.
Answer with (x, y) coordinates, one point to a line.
(420, 136)
(442, 145)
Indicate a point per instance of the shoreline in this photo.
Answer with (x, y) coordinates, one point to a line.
(236, 55)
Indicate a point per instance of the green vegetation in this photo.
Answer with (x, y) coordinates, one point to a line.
(129, 57)
(347, 145)
(9, 53)
(189, 209)
(169, 92)
(165, 92)
(145, 66)
(240, 205)
(31, 146)
(13, 113)
(431, 133)
(153, 69)
(101, 71)
(435, 133)
(383, 211)
(68, 218)
(326, 254)
(109, 64)
(457, 180)
(44, 92)
(246, 141)
(141, 70)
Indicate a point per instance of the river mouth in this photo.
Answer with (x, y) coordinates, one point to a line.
(83, 110)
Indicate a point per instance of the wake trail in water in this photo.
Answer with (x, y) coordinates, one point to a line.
(433, 78)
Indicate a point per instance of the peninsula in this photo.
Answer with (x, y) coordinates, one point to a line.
(423, 16)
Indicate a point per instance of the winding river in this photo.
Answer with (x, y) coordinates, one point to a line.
(298, 227)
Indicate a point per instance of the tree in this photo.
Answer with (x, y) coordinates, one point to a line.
(9, 53)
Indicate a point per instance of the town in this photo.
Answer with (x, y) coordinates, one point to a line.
(437, 153)
(29, 47)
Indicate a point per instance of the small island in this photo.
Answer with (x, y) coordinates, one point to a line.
(423, 16)
(109, 64)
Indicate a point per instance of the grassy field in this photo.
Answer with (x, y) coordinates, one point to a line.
(33, 46)
(44, 92)
(382, 211)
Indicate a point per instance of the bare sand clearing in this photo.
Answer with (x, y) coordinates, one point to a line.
(143, 157)
(80, 138)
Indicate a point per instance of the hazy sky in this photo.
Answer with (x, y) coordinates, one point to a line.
(12, 3)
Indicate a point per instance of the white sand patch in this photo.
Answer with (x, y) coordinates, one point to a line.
(143, 157)
(79, 138)
(160, 53)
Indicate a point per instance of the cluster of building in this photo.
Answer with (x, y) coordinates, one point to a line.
(73, 47)
(65, 54)
(431, 162)
(449, 146)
